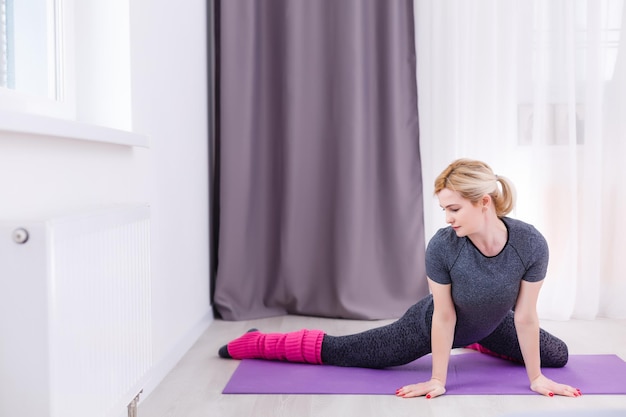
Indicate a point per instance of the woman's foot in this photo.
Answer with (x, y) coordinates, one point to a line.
(223, 352)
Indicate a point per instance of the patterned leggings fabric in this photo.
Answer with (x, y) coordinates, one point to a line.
(408, 339)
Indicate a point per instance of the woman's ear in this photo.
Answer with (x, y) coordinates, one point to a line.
(486, 201)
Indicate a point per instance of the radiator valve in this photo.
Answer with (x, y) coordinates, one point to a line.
(20, 236)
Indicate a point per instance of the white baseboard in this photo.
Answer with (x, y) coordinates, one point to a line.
(160, 369)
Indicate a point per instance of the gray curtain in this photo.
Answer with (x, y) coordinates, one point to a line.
(317, 187)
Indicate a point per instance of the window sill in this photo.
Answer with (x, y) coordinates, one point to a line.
(31, 124)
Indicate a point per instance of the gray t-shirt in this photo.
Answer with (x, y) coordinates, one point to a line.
(485, 288)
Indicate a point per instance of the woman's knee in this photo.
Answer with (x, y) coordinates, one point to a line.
(555, 353)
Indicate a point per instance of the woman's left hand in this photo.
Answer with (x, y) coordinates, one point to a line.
(546, 386)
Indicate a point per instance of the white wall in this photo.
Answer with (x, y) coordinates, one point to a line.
(169, 89)
(41, 175)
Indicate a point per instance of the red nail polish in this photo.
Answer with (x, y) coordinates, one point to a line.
(551, 394)
(428, 396)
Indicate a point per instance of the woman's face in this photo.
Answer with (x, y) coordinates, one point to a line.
(463, 216)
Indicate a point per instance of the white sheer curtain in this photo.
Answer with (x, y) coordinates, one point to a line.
(538, 90)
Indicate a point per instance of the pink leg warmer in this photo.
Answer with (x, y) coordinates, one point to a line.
(482, 349)
(301, 346)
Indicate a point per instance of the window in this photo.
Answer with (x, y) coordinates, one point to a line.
(67, 61)
(29, 47)
(565, 46)
(32, 61)
(6, 44)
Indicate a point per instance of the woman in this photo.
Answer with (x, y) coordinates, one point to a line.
(484, 274)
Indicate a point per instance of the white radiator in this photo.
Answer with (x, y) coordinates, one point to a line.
(75, 315)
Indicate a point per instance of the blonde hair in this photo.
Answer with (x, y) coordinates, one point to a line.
(473, 179)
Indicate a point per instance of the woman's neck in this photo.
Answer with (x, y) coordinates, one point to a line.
(491, 241)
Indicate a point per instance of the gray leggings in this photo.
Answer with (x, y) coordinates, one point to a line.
(408, 338)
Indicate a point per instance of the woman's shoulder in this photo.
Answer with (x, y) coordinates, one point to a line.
(524, 236)
(441, 251)
(518, 227)
(445, 233)
(530, 246)
(445, 237)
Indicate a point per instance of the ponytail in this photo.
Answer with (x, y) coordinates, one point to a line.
(473, 179)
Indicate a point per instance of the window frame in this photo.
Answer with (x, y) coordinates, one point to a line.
(24, 113)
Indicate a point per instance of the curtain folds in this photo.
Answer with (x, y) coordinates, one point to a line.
(319, 195)
(538, 90)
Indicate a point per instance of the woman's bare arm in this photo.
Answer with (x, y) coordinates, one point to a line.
(442, 336)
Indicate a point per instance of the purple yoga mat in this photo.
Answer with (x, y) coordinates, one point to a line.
(468, 373)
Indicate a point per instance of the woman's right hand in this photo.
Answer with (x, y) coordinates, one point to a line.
(430, 389)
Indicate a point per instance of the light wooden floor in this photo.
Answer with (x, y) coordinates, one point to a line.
(194, 386)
